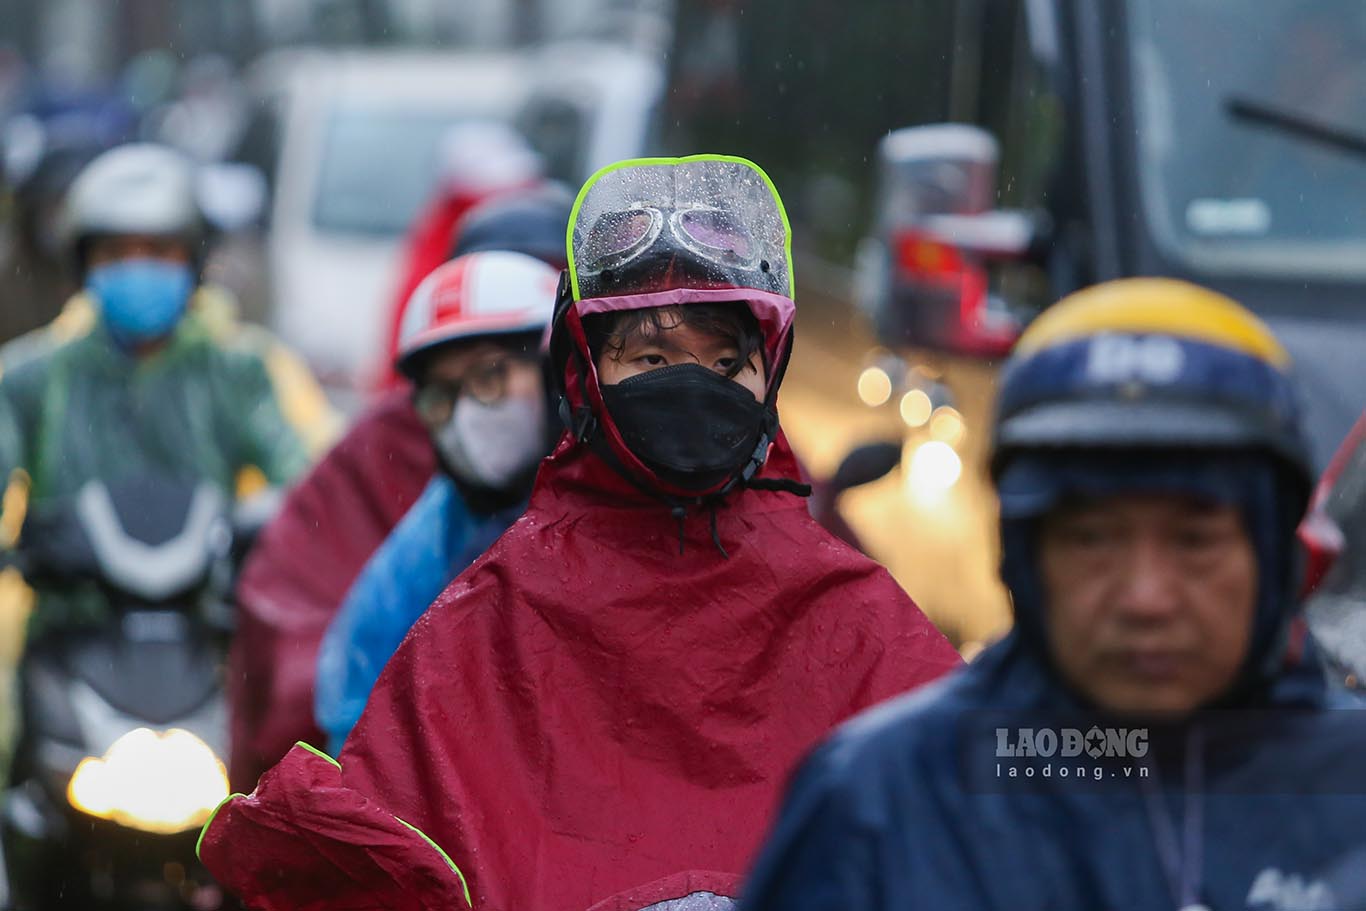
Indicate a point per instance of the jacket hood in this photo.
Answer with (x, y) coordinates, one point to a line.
(583, 409)
(1031, 484)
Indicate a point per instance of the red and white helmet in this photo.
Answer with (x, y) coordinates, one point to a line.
(475, 296)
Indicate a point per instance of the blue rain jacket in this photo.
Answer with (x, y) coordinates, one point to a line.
(431, 545)
(1257, 804)
(883, 815)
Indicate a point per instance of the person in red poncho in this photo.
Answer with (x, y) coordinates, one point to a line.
(607, 703)
(334, 519)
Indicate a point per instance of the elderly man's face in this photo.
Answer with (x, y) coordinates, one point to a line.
(1150, 600)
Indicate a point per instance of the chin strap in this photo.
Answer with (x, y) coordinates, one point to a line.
(580, 421)
(746, 478)
(755, 462)
(782, 485)
(680, 513)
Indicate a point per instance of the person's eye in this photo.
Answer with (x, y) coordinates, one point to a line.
(652, 360)
(493, 371)
(1087, 536)
(1198, 538)
(727, 365)
(488, 382)
(436, 402)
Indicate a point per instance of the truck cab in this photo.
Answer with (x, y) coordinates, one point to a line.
(1097, 139)
(1087, 140)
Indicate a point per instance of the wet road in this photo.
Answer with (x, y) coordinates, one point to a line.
(942, 549)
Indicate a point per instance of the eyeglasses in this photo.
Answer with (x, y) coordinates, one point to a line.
(485, 383)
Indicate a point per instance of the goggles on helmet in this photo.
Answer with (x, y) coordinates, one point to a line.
(715, 235)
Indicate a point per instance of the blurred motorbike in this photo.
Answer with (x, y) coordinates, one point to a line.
(125, 724)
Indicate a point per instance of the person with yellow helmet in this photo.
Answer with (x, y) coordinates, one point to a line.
(1135, 740)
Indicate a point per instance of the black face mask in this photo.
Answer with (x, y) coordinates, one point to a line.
(692, 426)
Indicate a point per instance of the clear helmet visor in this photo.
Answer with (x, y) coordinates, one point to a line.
(708, 222)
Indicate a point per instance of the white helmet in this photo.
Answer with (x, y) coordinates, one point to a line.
(140, 188)
(477, 295)
(485, 156)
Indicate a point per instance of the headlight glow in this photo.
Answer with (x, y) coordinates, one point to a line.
(935, 467)
(155, 782)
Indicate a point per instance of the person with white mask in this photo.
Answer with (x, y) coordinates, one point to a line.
(470, 342)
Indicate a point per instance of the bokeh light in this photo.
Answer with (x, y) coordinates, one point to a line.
(874, 387)
(947, 426)
(916, 408)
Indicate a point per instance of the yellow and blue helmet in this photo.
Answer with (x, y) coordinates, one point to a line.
(1148, 385)
(1150, 363)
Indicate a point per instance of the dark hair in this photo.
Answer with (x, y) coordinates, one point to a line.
(609, 332)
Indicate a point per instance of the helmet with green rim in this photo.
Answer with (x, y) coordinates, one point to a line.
(665, 233)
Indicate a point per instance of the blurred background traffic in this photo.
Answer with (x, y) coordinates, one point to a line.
(950, 167)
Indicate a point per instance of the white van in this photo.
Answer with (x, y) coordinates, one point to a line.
(348, 141)
(349, 144)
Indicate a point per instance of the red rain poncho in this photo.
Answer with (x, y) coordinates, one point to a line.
(587, 709)
(301, 569)
(609, 697)
(693, 890)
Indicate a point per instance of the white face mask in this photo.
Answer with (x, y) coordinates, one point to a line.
(490, 445)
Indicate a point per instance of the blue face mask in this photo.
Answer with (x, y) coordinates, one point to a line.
(141, 300)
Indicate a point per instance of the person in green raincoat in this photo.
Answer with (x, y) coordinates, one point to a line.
(153, 388)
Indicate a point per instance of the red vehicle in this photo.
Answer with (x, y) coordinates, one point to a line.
(1335, 537)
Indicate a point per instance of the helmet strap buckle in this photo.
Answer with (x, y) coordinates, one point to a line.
(580, 421)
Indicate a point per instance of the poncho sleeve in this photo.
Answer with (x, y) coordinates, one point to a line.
(11, 439)
(305, 841)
